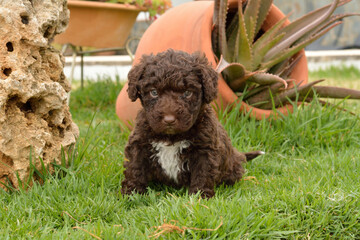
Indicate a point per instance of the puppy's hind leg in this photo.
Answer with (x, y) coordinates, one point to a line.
(234, 170)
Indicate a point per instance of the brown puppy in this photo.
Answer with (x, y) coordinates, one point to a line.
(177, 138)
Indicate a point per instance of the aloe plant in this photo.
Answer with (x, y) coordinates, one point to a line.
(261, 62)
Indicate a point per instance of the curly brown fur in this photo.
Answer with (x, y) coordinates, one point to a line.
(177, 139)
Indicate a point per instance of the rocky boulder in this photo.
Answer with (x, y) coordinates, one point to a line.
(34, 115)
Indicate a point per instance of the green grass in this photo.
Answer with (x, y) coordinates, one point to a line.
(305, 187)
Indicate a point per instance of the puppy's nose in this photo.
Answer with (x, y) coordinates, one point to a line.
(169, 119)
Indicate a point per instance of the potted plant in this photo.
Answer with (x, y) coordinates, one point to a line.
(202, 26)
(262, 58)
(106, 23)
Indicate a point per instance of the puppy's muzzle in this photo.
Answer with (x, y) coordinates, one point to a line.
(169, 122)
(169, 119)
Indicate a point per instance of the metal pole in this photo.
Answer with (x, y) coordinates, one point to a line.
(82, 67)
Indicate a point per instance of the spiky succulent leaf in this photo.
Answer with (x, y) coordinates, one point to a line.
(266, 42)
(222, 26)
(231, 70)
(325, 24)
(251, 14)
(324, 104)
(283, 97)
(239, 83)
(251, 31)
(233, 25)
(291, 63)
(234, 71)
(254, 91)
(216, 12)
(298, 28)
(244, 53)
(215, 30)
(264, 94)
(268, 35)
(288, 52)
(263, 12)
(335, 92)
(305, 20)
(260, 53)
(266, 79)
(232, 33)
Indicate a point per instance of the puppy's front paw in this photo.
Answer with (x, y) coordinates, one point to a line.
(205, 193)
(130, 188)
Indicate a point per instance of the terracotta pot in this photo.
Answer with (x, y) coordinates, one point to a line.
(98, 24)
(188, 28)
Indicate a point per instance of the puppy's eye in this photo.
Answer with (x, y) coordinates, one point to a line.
(154, 93)
(187, 94)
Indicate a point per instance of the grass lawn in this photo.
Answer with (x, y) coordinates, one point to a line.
(307, 186)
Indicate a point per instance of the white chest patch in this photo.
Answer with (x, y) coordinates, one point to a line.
(168, 157)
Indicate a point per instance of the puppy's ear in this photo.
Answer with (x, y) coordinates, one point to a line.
(208, 76)
(134, 76)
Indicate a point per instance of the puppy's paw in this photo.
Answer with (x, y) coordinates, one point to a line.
(128, 189)
(205, 193)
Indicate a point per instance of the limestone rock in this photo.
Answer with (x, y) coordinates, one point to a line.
(34, 116)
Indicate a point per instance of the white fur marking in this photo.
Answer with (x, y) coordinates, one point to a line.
(168, 157)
